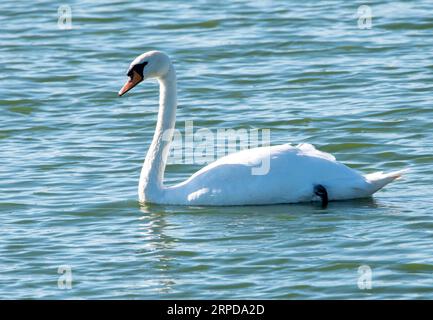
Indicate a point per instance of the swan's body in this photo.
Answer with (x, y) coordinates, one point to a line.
(292, 175)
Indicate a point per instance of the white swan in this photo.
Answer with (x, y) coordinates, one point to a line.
(296, 174)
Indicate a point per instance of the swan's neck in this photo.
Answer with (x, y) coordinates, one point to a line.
(152, 173)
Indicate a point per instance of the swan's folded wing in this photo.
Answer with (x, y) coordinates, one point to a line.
(310, 150)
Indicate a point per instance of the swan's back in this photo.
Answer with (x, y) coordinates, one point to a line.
(293, 174)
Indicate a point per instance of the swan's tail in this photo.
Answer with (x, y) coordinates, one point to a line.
(379, 179)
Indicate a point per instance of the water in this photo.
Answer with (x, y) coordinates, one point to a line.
(71, 150)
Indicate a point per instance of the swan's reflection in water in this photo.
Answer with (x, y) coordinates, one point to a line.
(186, 248)
(155, 247)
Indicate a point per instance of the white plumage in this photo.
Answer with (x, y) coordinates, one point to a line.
(292, 175)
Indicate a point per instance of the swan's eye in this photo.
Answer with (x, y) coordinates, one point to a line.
(137, 68)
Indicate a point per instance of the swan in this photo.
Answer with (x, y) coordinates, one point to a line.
(295, 173)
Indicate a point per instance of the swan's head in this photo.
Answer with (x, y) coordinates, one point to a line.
(152, 64)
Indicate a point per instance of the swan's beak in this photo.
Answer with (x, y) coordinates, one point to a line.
(131, 83)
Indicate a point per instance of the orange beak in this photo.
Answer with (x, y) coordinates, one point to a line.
(131, 83)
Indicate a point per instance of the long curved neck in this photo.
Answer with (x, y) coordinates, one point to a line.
(152, 173)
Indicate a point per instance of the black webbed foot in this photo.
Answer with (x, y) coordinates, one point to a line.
(320, 191)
